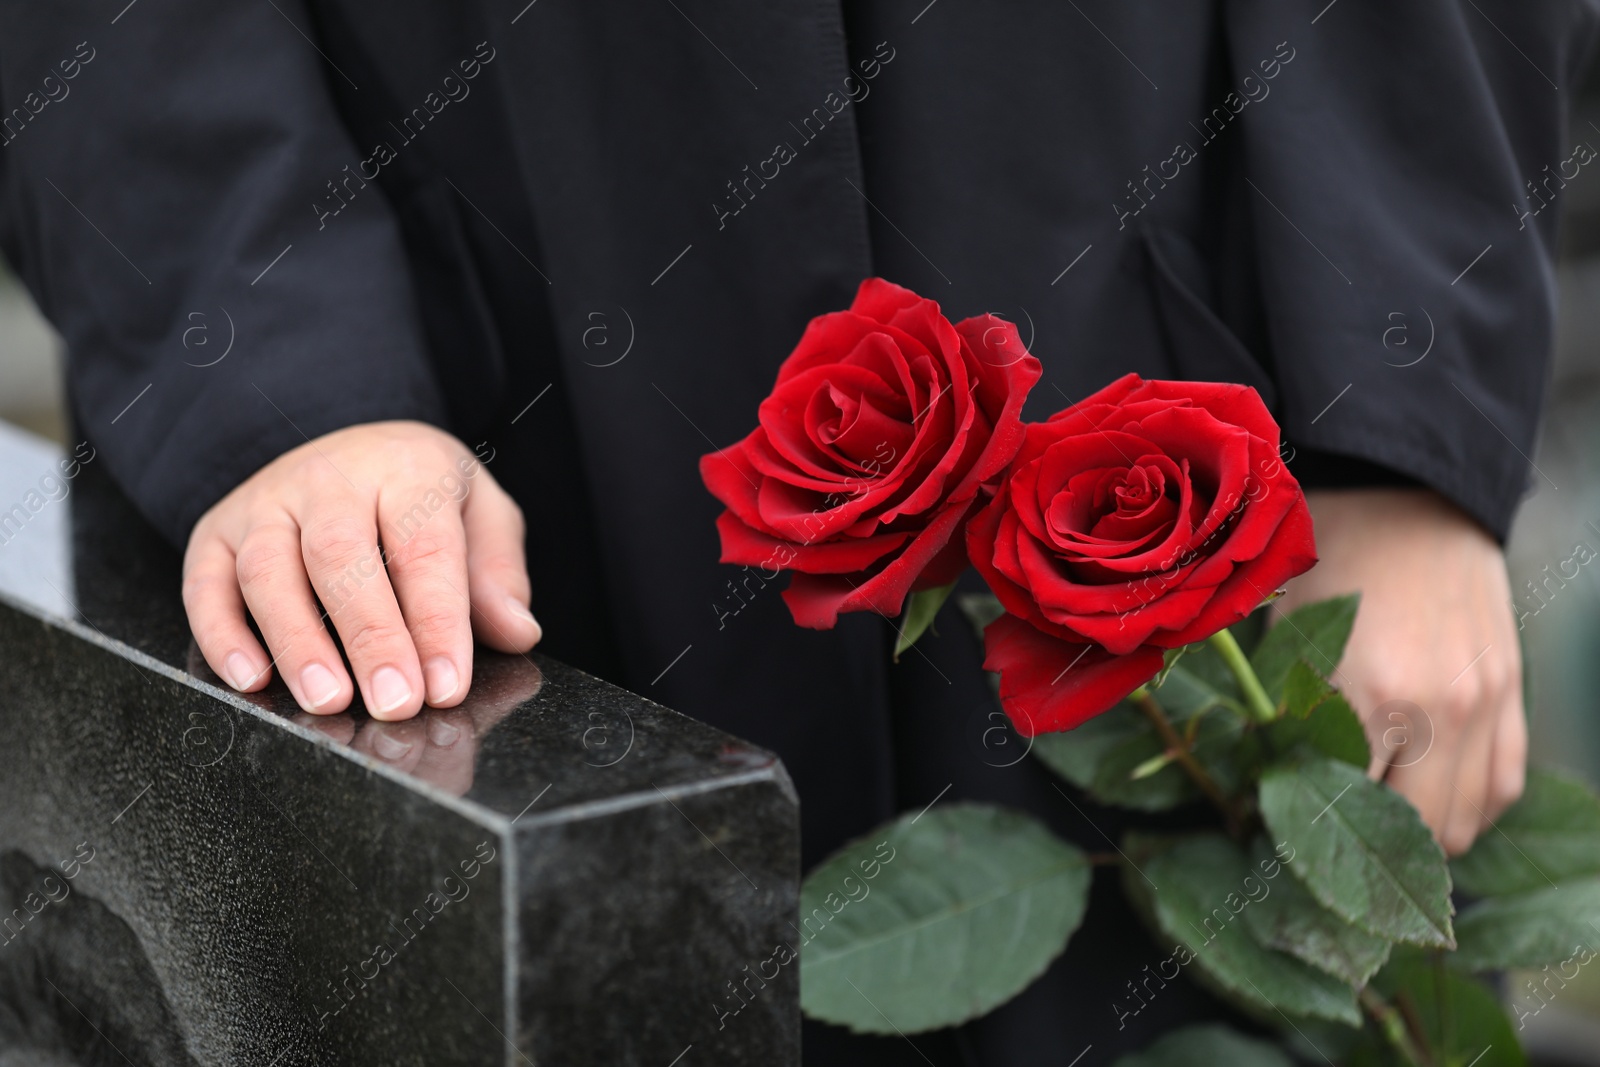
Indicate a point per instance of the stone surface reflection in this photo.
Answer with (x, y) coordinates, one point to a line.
(556, 871)
(440, 746)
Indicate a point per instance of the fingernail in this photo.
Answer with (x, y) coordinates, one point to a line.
(389, 689)
(442, 680)
(442, 733)
(317, 685)
(517, 608)
(239, 670)
(389, 747)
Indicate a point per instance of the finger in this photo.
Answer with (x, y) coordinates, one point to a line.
(1400, 734)
(1428, 782)
(1470, 788)
(340, 540)
(497, 570)
(426, 549)
(217, 615)
(1508, 767)
(272, 578)
(1378, 736)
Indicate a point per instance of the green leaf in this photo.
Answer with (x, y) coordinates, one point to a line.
(1461, 1022)
(1529, 992)
(1360, 849)
(1315, 633)
(967, 905)
(1207, 1045)
(1203, 664)
(1199, 890)
(1248, 630)
(1169, 659)
(1289, 919)
(1529, 929)
(1077, 754)
(1184, 694)
(1102, 755)
(980, 609)
(1550, 835)
(1304, 689)
(1328, 729)
(921, 608)
(1105, 755)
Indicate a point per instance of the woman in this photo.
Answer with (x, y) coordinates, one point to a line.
(346, 286)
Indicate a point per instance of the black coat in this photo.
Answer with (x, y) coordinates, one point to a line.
(587, 233)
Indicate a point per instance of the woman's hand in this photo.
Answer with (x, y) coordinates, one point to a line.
(1433, 666)
(394, 529)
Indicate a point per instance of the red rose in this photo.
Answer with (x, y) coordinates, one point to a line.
(887, 427)
(1149, 516)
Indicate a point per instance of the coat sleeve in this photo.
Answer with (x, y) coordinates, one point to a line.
(167, 184)
(1406, 263)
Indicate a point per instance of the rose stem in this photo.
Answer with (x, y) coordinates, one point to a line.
(1393, 1027)
(1255, 697)
(1180, 751)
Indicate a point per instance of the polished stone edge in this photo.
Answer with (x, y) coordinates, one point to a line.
(490, 819)
(589, 809)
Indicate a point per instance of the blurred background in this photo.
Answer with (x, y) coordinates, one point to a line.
(1561, 615)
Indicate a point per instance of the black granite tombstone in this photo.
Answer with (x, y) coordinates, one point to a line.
(556, 872)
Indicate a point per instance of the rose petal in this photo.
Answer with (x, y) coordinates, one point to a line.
(1292, 551)
(1157, 608)
(816, 601)
(880, 299)
(787, 415)
(732, 479)
(1047, 684)
(1072, 420)
(1229, 402)
(743, 545)
(1001, 390)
